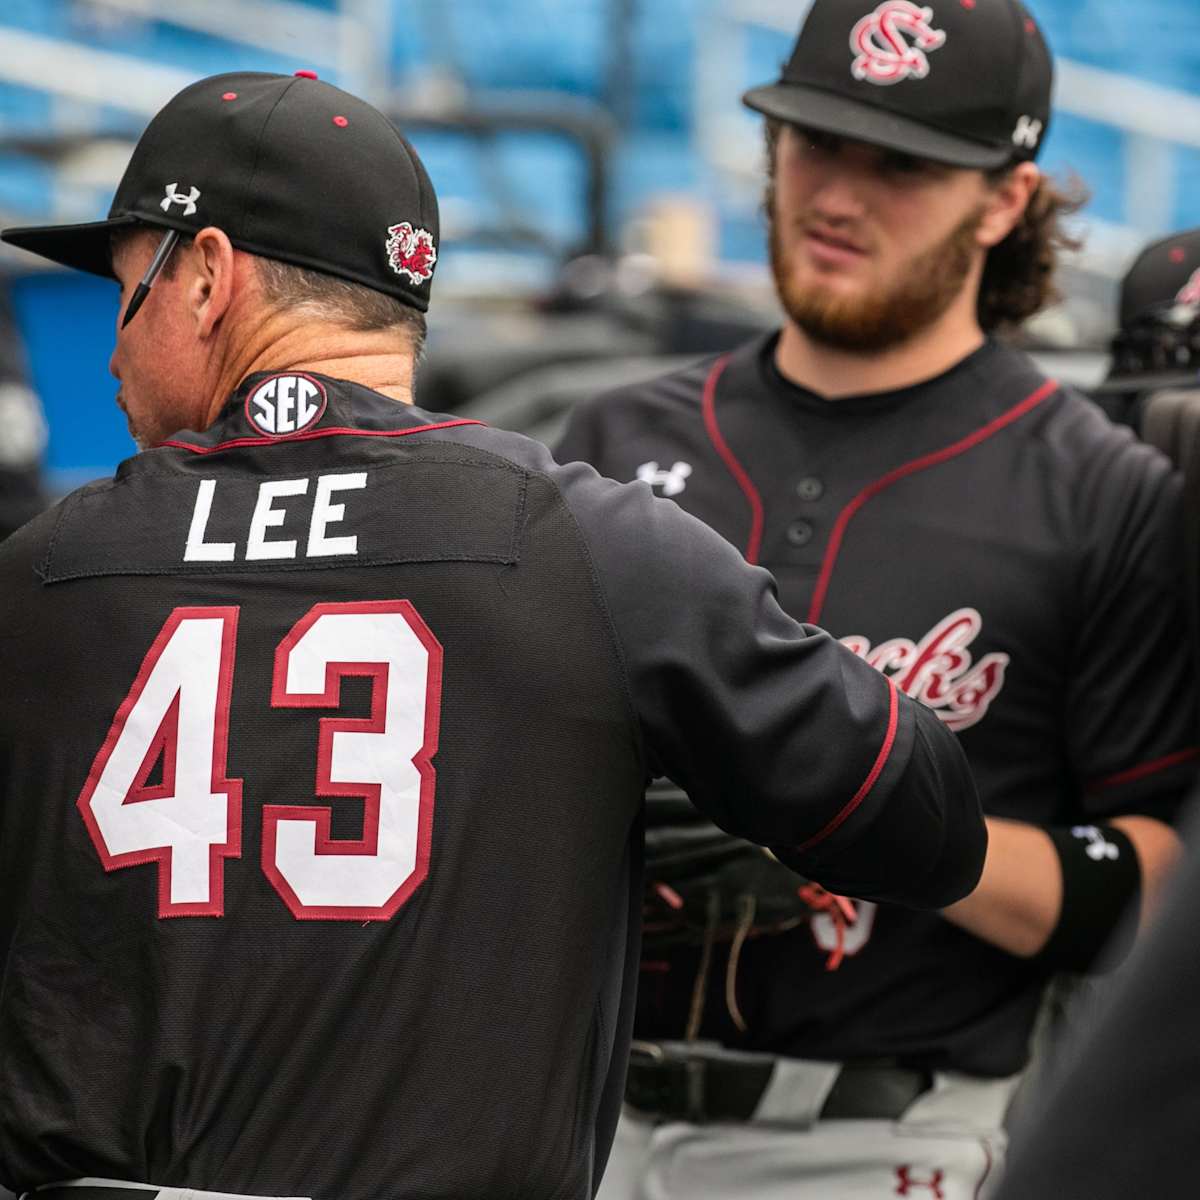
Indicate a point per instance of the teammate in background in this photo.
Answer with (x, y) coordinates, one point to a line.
(326, 722)
(1128, 1078)
(22, 432)
(1158, 342)
(982, 536)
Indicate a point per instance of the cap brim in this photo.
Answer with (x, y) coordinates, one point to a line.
(85, 247)
(813, 108)
(1146, 383)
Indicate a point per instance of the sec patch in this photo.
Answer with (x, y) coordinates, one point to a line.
(285, 405)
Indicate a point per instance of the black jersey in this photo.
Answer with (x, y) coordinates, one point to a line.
(323, 742)
(1001, 552)
(22, 496)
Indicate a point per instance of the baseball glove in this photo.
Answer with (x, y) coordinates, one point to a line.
(704, 887)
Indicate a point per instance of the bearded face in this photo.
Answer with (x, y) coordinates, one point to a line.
(869, 248)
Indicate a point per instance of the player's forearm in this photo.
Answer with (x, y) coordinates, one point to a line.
(1018, 901)
(1016, 904)
(1159, 850)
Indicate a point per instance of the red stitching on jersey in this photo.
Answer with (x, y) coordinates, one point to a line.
(308, 437)
(911, 468)
(1144, 769)
(880, 762)
(730, 459)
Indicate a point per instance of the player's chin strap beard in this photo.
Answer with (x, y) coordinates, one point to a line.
(878, 321)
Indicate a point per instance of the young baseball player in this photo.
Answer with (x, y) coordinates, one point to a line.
(1129, 1070)
(976, 532)
(326, 721)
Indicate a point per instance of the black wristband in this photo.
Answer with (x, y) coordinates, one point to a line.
(1101, 880)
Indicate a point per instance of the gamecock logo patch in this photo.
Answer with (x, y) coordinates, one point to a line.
(939, 669)
(411, 252)
(891, 43)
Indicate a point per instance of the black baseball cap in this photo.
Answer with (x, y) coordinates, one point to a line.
(963, 82)
(1165, 273)
(1158, 342)
(290, 167)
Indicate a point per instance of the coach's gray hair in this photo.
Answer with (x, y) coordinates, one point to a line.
(363, 309)
(326, 297)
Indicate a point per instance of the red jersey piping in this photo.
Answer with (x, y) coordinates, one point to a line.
(754, 542)
(872, 778)
(911, 468)
(987, 1167)
(1144, 769)
(311, 436)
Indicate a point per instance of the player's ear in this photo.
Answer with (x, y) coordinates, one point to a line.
(1007, 198)
(211, 285)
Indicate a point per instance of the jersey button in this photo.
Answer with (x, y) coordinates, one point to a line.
(810, 488)
(799, 533)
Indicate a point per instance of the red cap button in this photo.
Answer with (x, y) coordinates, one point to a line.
(306, 74)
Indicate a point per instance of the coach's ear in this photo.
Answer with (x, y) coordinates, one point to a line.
(1007, 199)
(213, 265)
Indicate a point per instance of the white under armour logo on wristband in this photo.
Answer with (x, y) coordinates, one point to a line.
(1099, 849)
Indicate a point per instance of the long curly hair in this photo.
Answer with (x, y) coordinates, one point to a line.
(1019, 272)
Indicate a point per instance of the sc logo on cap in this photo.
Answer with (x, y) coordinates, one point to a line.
(285, 404)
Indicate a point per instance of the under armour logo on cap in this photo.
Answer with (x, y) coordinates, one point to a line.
(1027, 133)
(175, 196)
(884, 54)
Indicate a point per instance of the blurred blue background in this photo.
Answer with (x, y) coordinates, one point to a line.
(657, 80)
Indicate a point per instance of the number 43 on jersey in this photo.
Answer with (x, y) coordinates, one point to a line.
(190, 822)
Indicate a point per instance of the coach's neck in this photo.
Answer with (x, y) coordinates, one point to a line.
(250, 335)
(288, 342)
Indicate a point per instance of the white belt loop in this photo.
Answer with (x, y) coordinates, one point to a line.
(958, 1100)
(797, 1091)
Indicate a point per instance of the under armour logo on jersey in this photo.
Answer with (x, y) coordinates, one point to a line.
(285, 404)
(880, 41)
(175, 196)
(939, 669)
(1190, 292)
(672, 482)
(906, 1182)
(1027, 133)
(1099, 848)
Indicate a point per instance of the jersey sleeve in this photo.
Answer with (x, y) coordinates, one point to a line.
(1131, 717)
(582, 439)
(777, 732)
